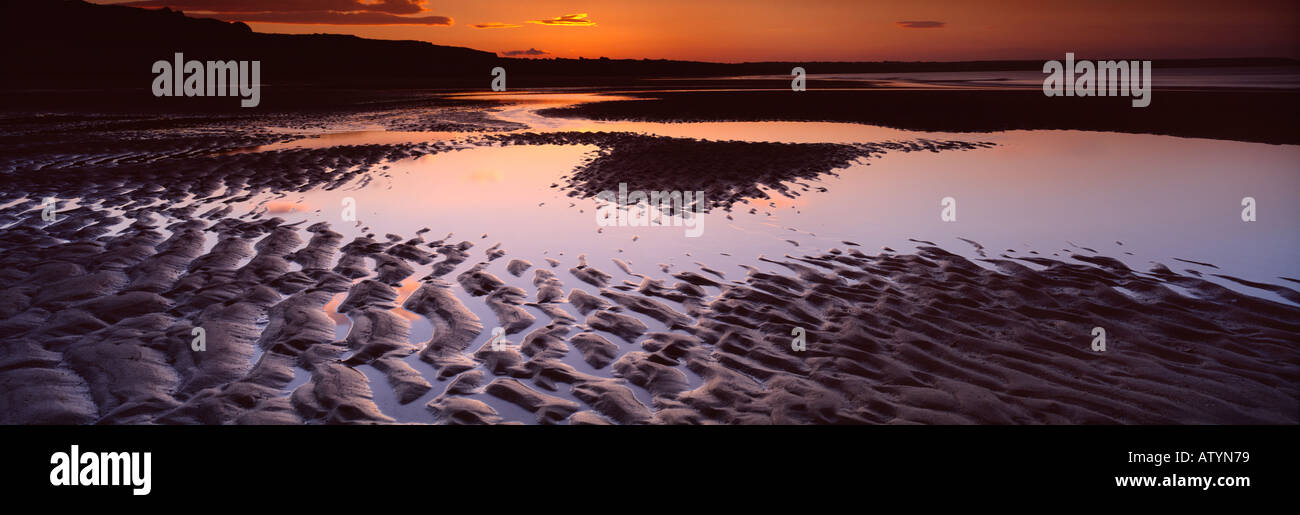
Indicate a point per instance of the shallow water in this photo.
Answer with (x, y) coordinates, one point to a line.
(1052, 192)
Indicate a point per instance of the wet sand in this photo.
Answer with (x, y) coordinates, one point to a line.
(728, 172)
(98, 307)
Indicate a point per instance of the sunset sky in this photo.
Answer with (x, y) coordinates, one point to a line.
(757, 30)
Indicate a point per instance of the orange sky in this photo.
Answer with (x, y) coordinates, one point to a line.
(832, 30)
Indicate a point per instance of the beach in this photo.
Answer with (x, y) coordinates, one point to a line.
(474, 285)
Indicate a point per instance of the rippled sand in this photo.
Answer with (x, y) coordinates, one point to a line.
(306, 325)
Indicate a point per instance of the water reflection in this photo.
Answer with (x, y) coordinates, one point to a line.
(1044, 191)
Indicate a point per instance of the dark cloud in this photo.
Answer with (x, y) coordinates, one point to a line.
(286, 6)
(921, 24)
(568, 20)
(530, 51)
(327, 12)
(333, 18)
(495, 25)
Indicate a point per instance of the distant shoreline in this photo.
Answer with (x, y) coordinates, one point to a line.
(1263, 116)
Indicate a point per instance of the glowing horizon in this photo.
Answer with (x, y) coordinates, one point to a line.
(766, 30)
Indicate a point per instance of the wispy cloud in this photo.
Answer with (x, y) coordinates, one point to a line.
(326, 12)
(568, 20)
(530, 51)
(921, 24)
(495, 25)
